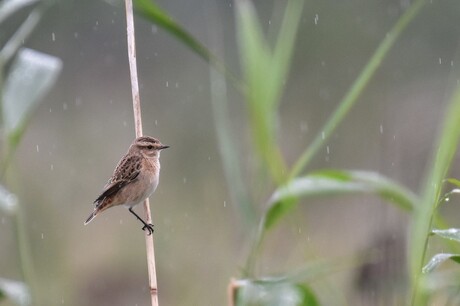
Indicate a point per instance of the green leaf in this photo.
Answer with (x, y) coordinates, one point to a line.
(438, 259)
(17, 292)
(265, 72)
(453, 181)
(451, 233)
(261, 293)
(357, 88)
(9, 7)
(31, 76)
(8, 201)
(335, 182)
(152, 12)
(308, 296)
(443, 156)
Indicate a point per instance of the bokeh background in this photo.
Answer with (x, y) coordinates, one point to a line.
(82, 128)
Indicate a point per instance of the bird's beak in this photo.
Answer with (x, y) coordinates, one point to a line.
(164, 147)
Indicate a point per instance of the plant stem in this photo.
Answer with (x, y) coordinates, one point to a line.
(445, 151)
(138, 127)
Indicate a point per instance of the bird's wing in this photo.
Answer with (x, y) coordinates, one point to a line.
(127, 171)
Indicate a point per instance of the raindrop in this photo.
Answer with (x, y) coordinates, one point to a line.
(38, 149)
(75, 34)
(270, 22)
(51, 167)
(177, 85)
(327, 149)
(121, 221)
(154, 29)
(184, 179)
(167, 84)
(316, 18)
(156, 122)
(452, 63)
(323, 135)
(440, 61)
(53, 36)
(43, 236)
(209, 157)
(77, 101)
(125, 124)
(299, 230)
(64, 106)
(225, 203)
(381, 129)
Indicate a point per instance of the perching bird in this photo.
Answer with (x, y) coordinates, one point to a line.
(134, 179)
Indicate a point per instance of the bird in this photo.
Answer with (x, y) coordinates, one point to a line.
(134, 179)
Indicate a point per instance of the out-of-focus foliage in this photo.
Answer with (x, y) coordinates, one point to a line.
(15, 291)
(23, 84)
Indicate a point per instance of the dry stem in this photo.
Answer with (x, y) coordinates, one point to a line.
(138, 126)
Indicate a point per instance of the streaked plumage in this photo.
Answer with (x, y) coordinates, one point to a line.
(134, 179)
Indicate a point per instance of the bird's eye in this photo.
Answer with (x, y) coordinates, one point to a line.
(150, 147)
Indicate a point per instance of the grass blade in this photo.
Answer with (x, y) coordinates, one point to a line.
(357, 88)
(335, 182)
(451, 233)
(438, 259)
(264, 73)
(423, 218)
(9, 7)
(153, 13)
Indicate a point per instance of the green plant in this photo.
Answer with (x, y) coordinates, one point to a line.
(22, 86)
(264, 69)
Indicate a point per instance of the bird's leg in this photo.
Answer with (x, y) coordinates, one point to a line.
(148, 227)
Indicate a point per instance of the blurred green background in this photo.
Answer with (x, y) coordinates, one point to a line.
(82, 128)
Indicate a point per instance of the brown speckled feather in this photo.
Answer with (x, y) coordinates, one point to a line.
(126, 172)
(134, 179)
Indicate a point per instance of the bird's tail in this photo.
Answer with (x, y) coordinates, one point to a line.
(92, 216)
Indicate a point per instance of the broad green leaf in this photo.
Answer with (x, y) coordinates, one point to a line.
(438, 259)
(335, 182)
(261, 293)
(9, 7)
(17, 292)
(8, 201)
(31, 76)
(451, 233)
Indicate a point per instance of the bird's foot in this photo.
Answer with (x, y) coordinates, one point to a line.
(148, 227)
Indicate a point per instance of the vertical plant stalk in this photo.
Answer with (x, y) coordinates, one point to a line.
(138, 126)
(445, 151)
